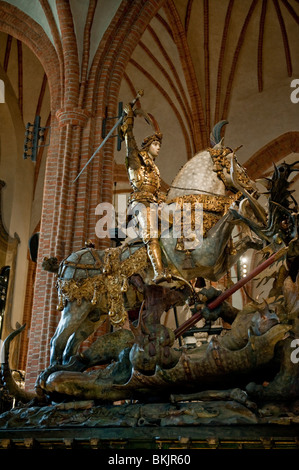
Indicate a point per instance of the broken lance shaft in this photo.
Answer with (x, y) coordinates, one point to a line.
(222, 297)
(139, 94)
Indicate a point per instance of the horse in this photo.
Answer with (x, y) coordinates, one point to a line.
(96, 284)
(93, 284)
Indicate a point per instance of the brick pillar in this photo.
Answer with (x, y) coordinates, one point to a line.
(58, 233)
(68, 214)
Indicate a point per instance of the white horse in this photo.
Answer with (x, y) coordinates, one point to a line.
(199, 178)
(210, 260)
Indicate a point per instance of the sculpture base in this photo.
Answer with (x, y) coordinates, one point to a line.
(187, 425)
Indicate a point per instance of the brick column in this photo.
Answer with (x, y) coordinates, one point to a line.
(68, 215)
(57, 231)
(58, 234)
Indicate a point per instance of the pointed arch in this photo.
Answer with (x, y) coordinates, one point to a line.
(272, 152)
(19, 25)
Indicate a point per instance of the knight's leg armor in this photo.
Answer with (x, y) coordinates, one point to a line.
(154, 254)
(148, 226)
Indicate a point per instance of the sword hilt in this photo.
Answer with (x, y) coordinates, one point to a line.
(140, 93)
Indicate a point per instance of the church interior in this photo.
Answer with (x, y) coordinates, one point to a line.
(67, 69)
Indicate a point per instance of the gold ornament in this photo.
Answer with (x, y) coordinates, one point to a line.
(105, 289)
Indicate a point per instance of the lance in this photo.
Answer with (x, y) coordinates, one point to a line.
(226, 294)
(139, 94)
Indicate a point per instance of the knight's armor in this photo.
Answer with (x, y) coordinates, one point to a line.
(145, 180)
(144, 177)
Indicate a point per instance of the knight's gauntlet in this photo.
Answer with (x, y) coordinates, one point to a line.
(128, 122)
(129, 115)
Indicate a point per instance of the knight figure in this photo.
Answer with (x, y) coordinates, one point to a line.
(144, 177)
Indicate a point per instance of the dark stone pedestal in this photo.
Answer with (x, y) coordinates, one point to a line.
(187, 425)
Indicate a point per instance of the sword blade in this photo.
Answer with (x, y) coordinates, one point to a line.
(139, 94)
(100, 146)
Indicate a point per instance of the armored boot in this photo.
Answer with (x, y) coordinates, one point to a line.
(154, 254)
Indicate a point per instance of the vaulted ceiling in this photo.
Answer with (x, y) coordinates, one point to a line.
(204, 61)
(198, 61)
